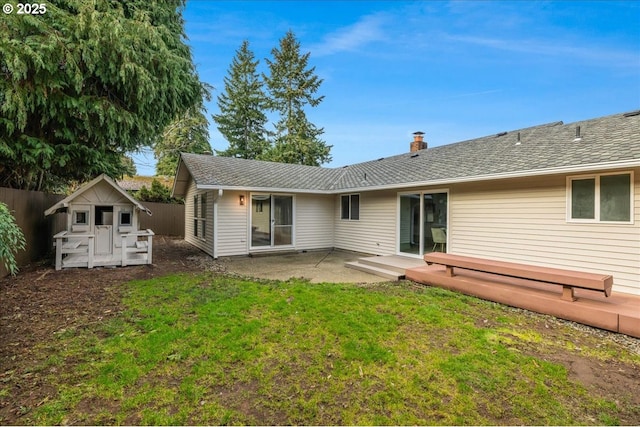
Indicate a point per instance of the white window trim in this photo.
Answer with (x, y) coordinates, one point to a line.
(421, 193)
(125, 211)
(596, 219)
(349, 195)
(249, 206)
(200, 222)
(75, 217)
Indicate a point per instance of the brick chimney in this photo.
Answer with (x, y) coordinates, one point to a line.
(418, 142)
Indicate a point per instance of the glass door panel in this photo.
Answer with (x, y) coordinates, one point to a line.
(271, 220)
(409, 238)
(282, 220)
(260, 220)
(435, 222)
(423, 223)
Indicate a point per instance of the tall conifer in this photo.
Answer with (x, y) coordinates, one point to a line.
(242, 106)
(292, 87)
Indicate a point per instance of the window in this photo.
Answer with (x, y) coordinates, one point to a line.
(601, 198)
(80, 217)
(125, 218)
(200, 215)
(350, 206)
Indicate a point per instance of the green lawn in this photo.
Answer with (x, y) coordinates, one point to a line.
(206, 349)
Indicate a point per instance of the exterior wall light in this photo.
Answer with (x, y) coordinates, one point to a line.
(242, 200)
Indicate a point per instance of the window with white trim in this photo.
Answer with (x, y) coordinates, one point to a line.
(350, 206)
(200, 215)
(80, 217)
(600, 198)
(125, 218)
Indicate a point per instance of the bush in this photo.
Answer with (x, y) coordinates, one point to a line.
(158, 193)
(11, 239)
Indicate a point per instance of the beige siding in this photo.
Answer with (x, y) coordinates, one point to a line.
(205, 244)
(233, 221)
(525, 221)
(314, 221)
(375, 231)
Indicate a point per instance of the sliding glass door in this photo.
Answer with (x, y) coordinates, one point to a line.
(271, 220)
(422, 222)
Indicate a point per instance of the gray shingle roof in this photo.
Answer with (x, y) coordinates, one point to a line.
(547, 147)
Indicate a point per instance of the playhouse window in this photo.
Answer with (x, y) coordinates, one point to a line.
(81, 217)
(125, 218)
(601, 198)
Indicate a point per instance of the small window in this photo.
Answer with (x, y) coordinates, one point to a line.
(601, 198)
(125, 218)
(350, 206)
(80, 217)
(200, 215)
(345, 207)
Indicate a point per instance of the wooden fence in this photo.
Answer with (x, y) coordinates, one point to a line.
(166, 219)
(28, 208)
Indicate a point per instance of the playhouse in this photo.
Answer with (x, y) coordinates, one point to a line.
(102, 228)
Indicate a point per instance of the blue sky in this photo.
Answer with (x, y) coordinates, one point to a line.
(455, 70)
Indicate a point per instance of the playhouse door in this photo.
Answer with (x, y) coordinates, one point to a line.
(103, 239)
(104, 229)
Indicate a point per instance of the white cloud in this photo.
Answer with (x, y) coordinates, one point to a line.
(348, 39)
(592, 54)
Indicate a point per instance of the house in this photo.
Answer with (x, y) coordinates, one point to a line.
(557, 195)
(102, 228)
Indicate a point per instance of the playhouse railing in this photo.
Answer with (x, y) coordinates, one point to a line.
(135, 243)
(137, 248)
(74, 243)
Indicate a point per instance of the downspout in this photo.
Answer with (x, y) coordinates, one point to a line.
(215, 222)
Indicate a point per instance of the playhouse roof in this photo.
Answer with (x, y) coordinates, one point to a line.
(64, 203)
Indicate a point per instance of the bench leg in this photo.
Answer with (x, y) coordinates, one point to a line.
(449, 271)
(567, 293)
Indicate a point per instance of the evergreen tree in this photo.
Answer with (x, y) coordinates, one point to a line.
(189, 133)
(292, 86)
(87, 82)
(242, 108)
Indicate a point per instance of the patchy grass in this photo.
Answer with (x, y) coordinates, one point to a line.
(204, 349)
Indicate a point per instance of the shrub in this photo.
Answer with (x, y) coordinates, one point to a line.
(11, 239)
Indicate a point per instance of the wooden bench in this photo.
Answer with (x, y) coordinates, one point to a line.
(568, 279)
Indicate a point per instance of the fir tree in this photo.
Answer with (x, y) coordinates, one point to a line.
(292, 87)
(87, 82)
(242, 108)
(189, 133)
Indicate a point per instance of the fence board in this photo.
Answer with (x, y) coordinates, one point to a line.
(28, 208)
(167, 218)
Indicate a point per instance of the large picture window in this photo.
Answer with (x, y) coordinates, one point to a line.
(350, 206)
(601, 198)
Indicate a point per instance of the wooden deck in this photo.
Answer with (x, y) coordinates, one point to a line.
(618, 313)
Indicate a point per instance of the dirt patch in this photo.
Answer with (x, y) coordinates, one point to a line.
(40, 303)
